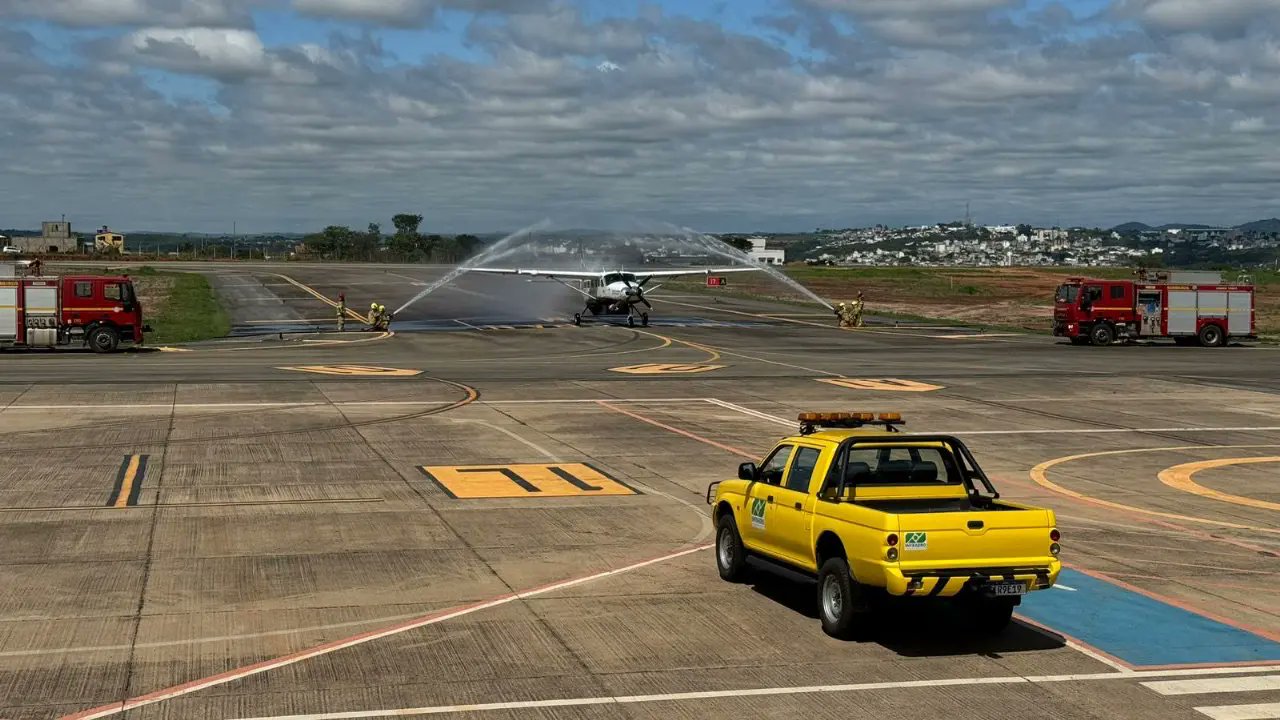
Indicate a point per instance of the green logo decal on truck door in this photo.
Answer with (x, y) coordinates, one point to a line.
(917, 541)
(757, 514)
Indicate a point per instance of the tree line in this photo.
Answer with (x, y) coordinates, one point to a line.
(407, 244)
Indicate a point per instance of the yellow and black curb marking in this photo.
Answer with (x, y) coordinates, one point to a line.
(360, 370)
(129, 481)
(665, 369)
(884, 384)
(470, 482)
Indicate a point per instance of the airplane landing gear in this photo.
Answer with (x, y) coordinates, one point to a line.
(577, 318)
(631, 321)
(644, 319)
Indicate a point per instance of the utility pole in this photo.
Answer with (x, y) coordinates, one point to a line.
(233, 239)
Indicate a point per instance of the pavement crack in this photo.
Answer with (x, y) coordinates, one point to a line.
(131, 665)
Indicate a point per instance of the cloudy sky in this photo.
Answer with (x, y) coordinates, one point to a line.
(486, 115)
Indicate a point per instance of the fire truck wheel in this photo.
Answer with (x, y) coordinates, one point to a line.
(1211, 336)
(1102, 334)
(103, 340)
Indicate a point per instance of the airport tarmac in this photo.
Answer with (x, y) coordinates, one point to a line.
(491, 513)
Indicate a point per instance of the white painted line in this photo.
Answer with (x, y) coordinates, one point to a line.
(737, 693)
(963, 336)
(169, 693)
(1060, 586)
(1215, 685)
(1262, 711)
(466, 324)
(753, 413)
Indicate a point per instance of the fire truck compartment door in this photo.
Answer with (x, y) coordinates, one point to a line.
(1213, 304)
(8, 313)
(1239, 313)
(42, 300)
(1182, 312)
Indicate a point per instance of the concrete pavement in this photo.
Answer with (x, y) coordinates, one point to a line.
(299, 524)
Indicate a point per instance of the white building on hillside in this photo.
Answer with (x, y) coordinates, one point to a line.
(762, 255)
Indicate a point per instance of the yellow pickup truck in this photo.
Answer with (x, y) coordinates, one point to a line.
(873, 512)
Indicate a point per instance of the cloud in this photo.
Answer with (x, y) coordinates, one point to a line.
(167, 13)
(405, 13)
(1198, 16)
(852, 115)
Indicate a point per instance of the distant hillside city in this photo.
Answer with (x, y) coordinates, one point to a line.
(962, 243)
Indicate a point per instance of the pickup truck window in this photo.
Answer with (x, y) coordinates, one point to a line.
(806, 460)
(771, 471)
(901, 466)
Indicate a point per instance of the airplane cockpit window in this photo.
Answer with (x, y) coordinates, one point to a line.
(629, 277)
(612, 278)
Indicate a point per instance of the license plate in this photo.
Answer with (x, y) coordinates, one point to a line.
(1007, 588)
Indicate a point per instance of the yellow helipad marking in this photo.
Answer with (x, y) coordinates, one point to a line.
(665, 369)
(523, 481)
(1039, 475)
(1178, 477)
(886, 384)
(963, 336)
(363, 370)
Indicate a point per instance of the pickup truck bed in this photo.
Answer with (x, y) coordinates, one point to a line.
(932, 505)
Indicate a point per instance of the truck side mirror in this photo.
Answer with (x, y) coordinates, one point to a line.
(748, 471)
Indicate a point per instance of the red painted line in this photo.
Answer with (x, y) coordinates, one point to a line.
(727, 448)
(1182, 605)
(323, 649)
(1190, 666)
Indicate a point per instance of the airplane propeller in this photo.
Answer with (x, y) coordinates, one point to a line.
(638, 290)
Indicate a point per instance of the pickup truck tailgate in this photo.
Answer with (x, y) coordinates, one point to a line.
(975, 538)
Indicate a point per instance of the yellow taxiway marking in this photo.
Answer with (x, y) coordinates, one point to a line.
(128, 482)
(1039, 475)
(1178, 477)
(361, 370)
(665, 369)
(320, 296)
(885, 384)
(468, 482)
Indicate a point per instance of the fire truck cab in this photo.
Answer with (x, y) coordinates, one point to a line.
(100, 312)
(1188, 307)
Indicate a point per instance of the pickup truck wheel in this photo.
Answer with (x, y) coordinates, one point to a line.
(992, 615)
(837, 598)
(731, 556)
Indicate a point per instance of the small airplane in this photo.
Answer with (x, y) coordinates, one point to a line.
(611, 292)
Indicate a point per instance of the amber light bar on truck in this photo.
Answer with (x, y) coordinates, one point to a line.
(810, 422)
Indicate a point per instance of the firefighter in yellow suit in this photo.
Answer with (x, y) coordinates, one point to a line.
(341, 307)
(857, 311)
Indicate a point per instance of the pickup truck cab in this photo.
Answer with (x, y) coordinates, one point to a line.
(874, 512)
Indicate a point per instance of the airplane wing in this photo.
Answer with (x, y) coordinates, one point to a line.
(572, 274)
(695, 271)
(557, 275)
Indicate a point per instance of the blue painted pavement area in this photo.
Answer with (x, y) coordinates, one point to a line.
(1138, 629)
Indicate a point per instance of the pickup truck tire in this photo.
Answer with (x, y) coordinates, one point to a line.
(837, 598)
(731, 556)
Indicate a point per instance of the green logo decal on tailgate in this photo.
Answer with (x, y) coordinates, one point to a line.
(757, 514)
(917, 541)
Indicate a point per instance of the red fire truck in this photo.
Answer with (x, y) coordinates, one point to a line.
(1188, 307)
(44, 312)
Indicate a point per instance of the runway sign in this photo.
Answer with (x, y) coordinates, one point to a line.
(665, 369)
(355, 370)
(467, 482)
(883, 384)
